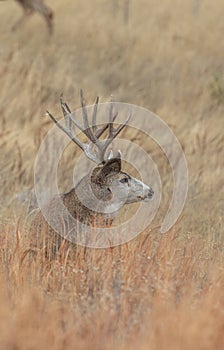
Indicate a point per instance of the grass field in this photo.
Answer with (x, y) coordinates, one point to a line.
(157, 291)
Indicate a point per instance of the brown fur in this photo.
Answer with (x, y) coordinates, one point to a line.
(106, 184)
(45, 239)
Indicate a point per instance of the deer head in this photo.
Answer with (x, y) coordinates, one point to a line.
(116, 184)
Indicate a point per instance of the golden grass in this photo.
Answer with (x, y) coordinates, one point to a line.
(155, 292)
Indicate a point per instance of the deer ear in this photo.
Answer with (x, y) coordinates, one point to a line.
(100, 173)
(111, 166)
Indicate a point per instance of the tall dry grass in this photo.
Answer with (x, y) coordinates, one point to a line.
(155, 292)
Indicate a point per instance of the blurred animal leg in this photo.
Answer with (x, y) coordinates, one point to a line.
(22, 19)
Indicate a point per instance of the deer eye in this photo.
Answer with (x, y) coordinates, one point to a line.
(124, 180)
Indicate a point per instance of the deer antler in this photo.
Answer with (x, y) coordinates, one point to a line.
(93, 133)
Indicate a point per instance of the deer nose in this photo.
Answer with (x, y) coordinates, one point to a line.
(150, 193)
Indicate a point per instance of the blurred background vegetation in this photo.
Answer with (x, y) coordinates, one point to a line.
(165, 56)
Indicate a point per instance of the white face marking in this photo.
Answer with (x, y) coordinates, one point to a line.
(138, 191)
(127, 189)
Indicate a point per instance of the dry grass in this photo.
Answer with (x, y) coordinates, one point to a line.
(155, 292)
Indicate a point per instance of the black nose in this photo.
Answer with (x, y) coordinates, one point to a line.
(150, 193)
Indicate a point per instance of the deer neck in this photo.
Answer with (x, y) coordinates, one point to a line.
(88, 203)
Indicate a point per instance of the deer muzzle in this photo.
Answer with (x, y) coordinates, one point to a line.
(147, 194)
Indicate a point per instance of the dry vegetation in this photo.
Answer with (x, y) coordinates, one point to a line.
(155, 292)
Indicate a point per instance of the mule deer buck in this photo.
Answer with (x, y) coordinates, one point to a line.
(106, 183)
(31, 6)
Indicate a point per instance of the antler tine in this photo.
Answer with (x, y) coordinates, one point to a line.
(94, 127)
(112, 118)
(121, 127)
(96, 132)
(67, 132)
(66, 112)
(65, 108)
(67, 115)
(87, 131)
(114, 132)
